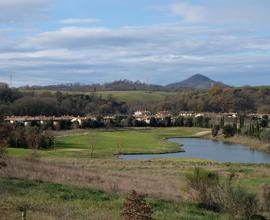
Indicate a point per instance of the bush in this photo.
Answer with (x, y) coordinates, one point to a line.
(207, 187)
(240, 203)
(229, 130)
(222, 196)
(265, 198)
(136, 208)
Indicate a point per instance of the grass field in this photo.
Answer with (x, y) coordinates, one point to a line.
(96, 189)
(108, 143)
(123, 96)
(46, 201)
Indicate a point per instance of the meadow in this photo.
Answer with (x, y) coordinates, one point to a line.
(123, 96)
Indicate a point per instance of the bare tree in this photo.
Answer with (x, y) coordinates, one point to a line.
(92, 145)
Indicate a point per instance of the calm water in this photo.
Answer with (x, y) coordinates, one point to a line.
(208, 149)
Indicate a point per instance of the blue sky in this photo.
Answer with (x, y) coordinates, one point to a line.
(155, 41)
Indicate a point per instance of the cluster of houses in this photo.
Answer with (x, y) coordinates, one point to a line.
(142, 116)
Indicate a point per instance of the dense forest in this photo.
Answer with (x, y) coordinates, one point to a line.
(216, 99)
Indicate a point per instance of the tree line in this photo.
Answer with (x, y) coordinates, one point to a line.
(252, 127)
(217, 99)
(14, 102)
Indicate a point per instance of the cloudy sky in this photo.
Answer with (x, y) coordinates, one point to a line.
(155, 41)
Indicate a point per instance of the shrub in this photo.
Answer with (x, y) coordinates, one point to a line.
(265, 198)
(207, 187)
(223, 196)
(136, 208)
(240, 203)
(229, 130)
(30, 137)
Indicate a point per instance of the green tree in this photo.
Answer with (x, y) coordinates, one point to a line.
(264, 121)
(215, 130)
(228, 130)
(153, 122)
(242, 121)
(222, 122)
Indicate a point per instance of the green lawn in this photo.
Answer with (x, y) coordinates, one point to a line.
(126, 96)
(47, 201)
(107, 143)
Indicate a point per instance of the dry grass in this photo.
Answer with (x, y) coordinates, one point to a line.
(164, 179)
(83, 174)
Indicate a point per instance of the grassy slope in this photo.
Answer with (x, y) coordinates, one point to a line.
(122, 95)
(108, 143)
(47, 201)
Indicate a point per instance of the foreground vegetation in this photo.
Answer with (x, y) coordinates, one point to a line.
(46, 201)
(74, 189)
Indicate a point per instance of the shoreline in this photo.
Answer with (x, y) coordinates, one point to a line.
(252, 143)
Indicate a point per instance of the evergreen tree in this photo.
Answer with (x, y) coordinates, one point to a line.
(222, 122)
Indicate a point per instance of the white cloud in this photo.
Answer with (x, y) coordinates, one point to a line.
(20, 11)
(254, 12)
(189, 12)
(160, 53)
(78, 21)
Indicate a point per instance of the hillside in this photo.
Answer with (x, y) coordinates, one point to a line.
(197, 81)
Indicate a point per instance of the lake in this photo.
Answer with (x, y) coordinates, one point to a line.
(209, 149)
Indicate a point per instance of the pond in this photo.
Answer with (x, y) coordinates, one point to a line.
(209, 149)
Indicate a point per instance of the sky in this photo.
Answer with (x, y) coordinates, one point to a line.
(155, 41)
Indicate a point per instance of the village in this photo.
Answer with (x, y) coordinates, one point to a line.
(142, 116)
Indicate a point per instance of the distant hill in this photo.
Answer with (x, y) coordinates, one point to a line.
(120, 85)
(197, 81)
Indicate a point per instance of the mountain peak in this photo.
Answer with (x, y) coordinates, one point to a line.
(199, 76)
(197, 81)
